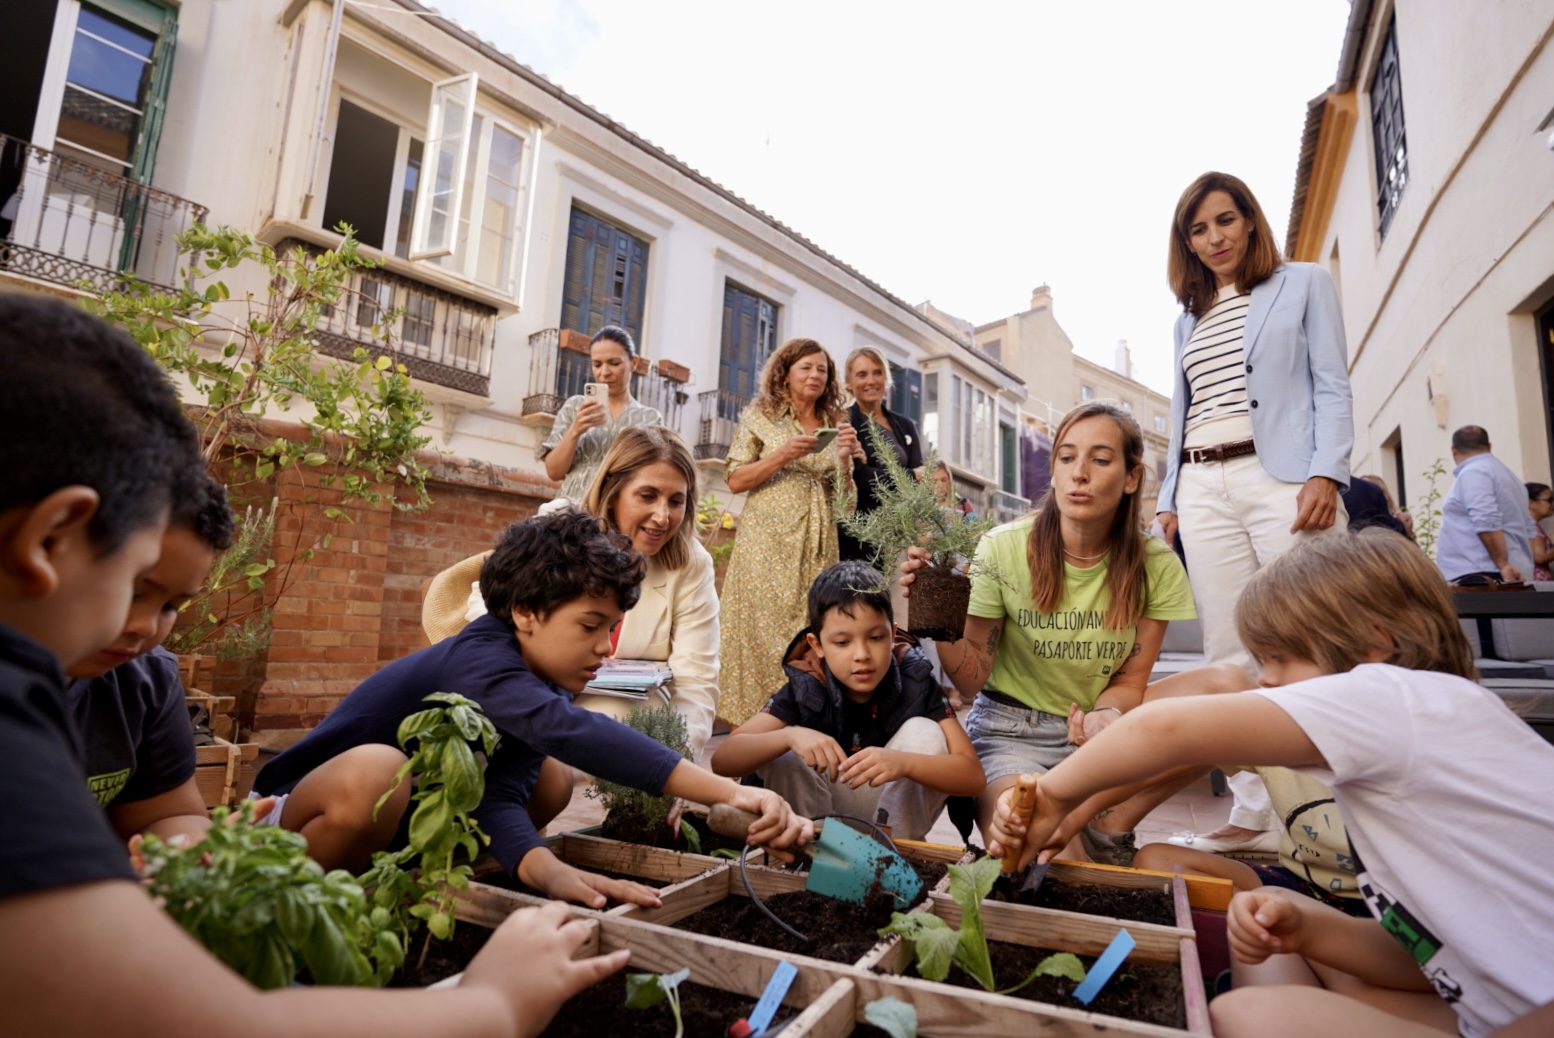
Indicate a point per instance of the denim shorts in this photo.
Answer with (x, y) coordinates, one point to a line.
(1012, 740)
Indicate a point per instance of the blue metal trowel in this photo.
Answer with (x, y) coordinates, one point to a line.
(846, 864)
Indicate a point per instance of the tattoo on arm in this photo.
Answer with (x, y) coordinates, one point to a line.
(994, 633)
(1137, 649)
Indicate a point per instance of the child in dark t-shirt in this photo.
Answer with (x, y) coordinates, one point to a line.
(554, 587)
(94, 446)
(127, 700)
(862, 726)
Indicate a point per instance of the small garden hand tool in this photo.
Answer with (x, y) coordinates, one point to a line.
(1024, 809)
(846, 864)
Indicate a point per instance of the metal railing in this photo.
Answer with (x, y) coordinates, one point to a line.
(66, 220)
(442, 338)
(556, 373)
(1006, 507)
(720, 409)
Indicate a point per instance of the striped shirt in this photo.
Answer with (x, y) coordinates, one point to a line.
(1214, 361)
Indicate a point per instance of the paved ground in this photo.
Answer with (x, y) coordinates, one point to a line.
(1194, 808)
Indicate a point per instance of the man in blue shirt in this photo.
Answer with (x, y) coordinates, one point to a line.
(1484, 518)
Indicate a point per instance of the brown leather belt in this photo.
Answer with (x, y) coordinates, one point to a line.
(1220, 451)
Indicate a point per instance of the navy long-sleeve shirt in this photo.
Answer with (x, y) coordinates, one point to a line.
(533, 718)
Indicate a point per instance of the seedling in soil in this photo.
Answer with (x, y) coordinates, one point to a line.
(631, 814)
(645, 990)
(938, 945)
(893, 1016)
(450, 783)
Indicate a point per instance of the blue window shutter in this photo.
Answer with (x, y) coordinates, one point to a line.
(749, 337)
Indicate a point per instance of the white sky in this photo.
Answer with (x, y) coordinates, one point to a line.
(962, 152)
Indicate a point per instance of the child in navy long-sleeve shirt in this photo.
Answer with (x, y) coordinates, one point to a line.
(554, 587)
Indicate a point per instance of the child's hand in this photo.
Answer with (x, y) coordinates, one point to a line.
(916, 559)
(565, 883)
(1264, 922)
(1043, 837)
(818, 750)
(874, 766)
(777, 827)
(528, 961)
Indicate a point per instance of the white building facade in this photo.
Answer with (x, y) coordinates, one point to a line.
(513, 220)
(1426, 186)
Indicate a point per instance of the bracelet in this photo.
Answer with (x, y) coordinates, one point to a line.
(1117, 710)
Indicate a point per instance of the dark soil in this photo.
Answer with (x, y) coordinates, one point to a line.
(508, 881)
(1137, 991)
(673, 840)
(837, 931)
(601, 1010)
(1145, 906)
(445, 958)
(937, 606)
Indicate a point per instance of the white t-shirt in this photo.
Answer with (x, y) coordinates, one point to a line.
(1449, 800)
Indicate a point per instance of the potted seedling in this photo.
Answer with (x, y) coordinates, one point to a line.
(635, 816)
(910, 515)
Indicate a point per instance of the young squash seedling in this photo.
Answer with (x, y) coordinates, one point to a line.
(645, 990)
(938, 945)
(893, 1016)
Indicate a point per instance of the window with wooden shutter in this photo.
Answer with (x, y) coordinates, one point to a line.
(749, 337)
(606, 277)
(906, 395)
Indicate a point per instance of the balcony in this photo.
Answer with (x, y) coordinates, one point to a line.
(66, 221)
(1004, 507)
(720, 410)
(559, 368)
(442, 339)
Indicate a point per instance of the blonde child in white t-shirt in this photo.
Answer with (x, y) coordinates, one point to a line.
(1443, 789)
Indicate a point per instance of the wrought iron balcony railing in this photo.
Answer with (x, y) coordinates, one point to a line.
(65, 220)
(559, 368)
(720, 409)
(442, 338)
(1006, 507)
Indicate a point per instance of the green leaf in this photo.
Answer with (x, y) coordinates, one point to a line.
(255, 569)
(314, 458)
(968, 886)
(692, 837)
(1063, 964)
(724, 852)
(462, 781)
(643, 990)
(431, 819)
(933, 939)
(441, 926)
(893, 1016)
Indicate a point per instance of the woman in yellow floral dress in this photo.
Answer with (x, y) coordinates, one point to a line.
(787, 531)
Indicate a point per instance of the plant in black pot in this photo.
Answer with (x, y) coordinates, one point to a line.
(909, 514)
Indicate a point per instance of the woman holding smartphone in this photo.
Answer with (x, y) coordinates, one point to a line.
(586, 425)
(792, 454)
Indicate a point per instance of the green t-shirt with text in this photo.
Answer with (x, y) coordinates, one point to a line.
(1048, 660)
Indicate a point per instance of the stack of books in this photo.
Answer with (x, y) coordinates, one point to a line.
(632, 679)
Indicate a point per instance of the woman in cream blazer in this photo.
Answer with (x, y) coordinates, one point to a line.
(645, 490)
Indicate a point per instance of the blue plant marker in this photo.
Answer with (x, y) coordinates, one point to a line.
(771, 998)
(1105, 966)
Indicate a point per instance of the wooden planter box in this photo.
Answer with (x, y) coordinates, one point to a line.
(218, 709)
(224, 772)
(835, 994)
(674, 372)
(568, 339)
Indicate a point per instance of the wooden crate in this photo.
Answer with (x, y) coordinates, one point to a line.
(218, 708)
(224, 771)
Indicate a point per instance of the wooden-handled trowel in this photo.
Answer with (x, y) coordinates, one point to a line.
(1012, 883)
(846, 864)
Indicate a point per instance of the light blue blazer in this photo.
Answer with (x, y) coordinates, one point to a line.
(1297, 381)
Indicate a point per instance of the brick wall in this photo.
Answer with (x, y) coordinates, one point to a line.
(354, 606)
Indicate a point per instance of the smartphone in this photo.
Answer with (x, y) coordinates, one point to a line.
(596, 391)
(824, 438)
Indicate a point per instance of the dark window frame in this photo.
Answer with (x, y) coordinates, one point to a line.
(1388, 135)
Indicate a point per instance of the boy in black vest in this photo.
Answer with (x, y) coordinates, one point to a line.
(862, 727)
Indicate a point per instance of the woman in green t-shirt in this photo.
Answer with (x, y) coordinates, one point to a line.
(1068, 607)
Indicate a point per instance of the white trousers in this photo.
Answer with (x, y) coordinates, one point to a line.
(1234, 518)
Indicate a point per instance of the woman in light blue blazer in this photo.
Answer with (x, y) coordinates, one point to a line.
(1261, 424)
